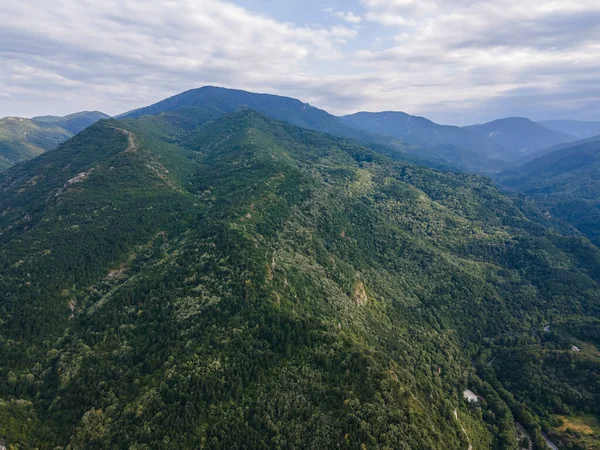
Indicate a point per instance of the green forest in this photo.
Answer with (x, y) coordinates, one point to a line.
(191, 281)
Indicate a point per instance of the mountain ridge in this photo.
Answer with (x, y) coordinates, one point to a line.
(581, 129)
(521, 136)
(566, 180)
(22, 139)
(211, 102)
(468, 147)
(76, 122)
(253, 284)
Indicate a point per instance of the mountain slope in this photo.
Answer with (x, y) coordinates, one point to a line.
(520, 136)
(22, 139)
(74, 123)
(259, 285)
(191, 108)
(587, 141)
(467, 147)
(582, 130)
(211, 102)
(567, 181)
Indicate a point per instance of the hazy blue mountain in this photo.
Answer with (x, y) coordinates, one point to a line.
(422, 131)
(576, 128)
(74, 123)
(520, 136)
(566, 181)
(457, 146)
(526, 159)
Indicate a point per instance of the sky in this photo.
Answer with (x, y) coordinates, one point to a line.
(453, 61)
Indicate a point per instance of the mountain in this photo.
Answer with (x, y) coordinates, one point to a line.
(252, 284)
(567, 182)
(22, 139)
(74, 123)
(582, 130)
(197, 106)
(462, 147)
(520, 136)
(526, 159)
(211, 102)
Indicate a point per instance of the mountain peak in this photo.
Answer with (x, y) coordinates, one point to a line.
(520, 136)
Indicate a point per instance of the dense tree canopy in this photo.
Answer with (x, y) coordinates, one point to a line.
(243, 283)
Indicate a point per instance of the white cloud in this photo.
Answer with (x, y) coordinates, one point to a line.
(466, 54)
(349, 17)
(454, 60)
(149, 44)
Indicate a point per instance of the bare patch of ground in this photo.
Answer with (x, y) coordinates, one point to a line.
(463, 429)
(116, 273)
(360, 295)
(80, 177)
(131, 145)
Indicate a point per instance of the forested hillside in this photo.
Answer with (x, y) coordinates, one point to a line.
(458, 147)
(76, 122)
(22, 139)
(520, 136)
(582, 130)
(566, 181)
(446, 148)
(173, 282)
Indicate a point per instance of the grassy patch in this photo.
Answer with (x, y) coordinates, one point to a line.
(584, 429)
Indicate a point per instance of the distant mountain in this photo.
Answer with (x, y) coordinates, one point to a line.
(458, 146)
(258, 285)
(566, 181)
(74, 123)
(197, 106)
(22, 139)
(576, 128)
(526, 159)
(210, 102)
(421, 131)
(521, 137)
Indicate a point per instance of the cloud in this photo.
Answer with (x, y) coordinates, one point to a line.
(452, 60)
(120, 51)
(349, 17)
(474, 54)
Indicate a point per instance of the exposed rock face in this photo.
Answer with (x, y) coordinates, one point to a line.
(360, 295)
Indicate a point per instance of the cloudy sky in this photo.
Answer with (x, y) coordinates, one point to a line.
(454, 61)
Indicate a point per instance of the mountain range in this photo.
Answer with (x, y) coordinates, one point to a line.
(22, 139)
(230, 270)
(582, 130)
(486, 149)
(458, 147)
(566, 181)
(74, 123)
(520, 137)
